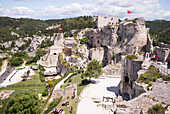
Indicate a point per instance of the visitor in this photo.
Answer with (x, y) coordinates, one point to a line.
(147, 55)
(76, 101)
(144, 55)
(156, 57)
(117, 94)
(150, 54)
(71, 109)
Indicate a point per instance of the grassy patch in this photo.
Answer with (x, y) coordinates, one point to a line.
(35, 89)
(53, 104)
(156, 109)
(151, 75)
(131, 57)
(68, 108)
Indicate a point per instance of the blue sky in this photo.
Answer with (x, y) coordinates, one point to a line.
(57, 9)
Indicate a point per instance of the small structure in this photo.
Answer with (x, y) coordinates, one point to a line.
(50, 73)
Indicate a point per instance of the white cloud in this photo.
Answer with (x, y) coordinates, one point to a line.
(149, 9)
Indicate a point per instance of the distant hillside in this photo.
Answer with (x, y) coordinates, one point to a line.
(20, 26)
(27, 27)
(159, 31)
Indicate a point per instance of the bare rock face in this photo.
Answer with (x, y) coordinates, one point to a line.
(158, 95)
(117, 39)
(69, 92)
(132, 34)
(96, 53)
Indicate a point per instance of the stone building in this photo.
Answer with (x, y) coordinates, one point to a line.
(51, 58)
(103, 21)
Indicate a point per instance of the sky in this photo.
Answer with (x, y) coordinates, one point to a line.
(59, 9)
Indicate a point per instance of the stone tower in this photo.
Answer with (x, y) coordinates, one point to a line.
(103, 21)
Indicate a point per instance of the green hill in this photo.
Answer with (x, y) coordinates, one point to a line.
(27, 27)
(159, 31)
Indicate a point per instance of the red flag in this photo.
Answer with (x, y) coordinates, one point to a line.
(129, 12)
(60, 29)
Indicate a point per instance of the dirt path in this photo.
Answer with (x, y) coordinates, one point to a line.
(4, 66)
(103, 87)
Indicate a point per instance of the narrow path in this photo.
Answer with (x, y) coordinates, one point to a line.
(57, 86)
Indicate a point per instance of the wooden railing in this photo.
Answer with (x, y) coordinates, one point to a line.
(162, 70)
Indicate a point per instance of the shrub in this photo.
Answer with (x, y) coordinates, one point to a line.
(16, 61)
(53, 104)
(50, 83)
(156, 109)
(72, 97)
(84, 40)
(65, 80)
(66, 73)
(68, 84)
(150, 84)
(70, 80)
(131, 57)
(41, 68)
(45, 92)
(166, 78)
(82, 76)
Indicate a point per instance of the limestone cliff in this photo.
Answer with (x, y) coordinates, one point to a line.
(124, 38)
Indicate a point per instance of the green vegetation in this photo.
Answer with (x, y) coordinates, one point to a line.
(20, 26)
(24, 46)
(94, 69)
(156, 109)
(79, 54)
(16, 61)
(21, 54)
(39, 54)
(159, 31)
(46, 43)
(23, 103)
(150, 76)
(85, 40)
(149, 85)
(53, 104)
(131, 57)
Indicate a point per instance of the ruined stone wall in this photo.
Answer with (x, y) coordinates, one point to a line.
(96, 53)
(132, 34)
(163, 53)
(103, 21)
(69, 92)
(61, 69)
(129, 76)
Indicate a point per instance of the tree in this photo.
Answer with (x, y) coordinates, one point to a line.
(94, 69)
(23, 103)
(16, 61)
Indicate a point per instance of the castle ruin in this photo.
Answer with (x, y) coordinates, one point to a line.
(103, 21)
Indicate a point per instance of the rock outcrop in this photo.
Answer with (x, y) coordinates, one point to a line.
(69, 92)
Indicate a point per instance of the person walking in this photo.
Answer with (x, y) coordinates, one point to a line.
(144, 55)
(71, 109)
(156, 57)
